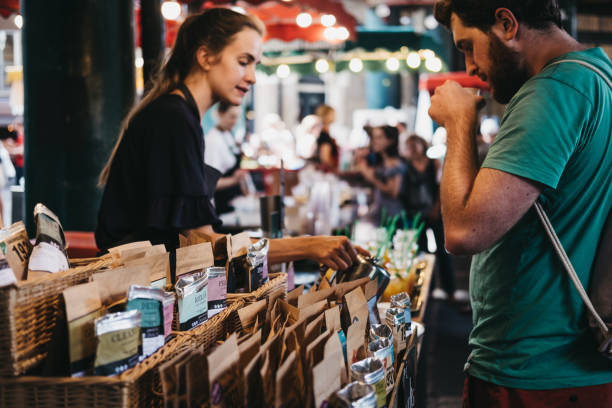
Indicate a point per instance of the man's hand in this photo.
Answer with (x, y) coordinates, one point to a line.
(452, 103)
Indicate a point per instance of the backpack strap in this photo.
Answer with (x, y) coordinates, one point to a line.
(567, 264)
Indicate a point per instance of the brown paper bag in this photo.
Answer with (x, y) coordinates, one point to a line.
(292, 297)
(194, 258)
(114, 284)
(333, 350)
(314, 329)
(309, 313)
(169, 380)
(332, 319)
(17, 248)
(225, 382)
(83, 306)
(314, 297)
(356, 343)
(253, 385)
(289, 386)
(249, 348)
(159, 269)
(356, 307)
(252, 314)
(346, 287)
(327, 379)
(197, 380)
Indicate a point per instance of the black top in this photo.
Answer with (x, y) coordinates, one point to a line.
(323, 139)
(158, 183)
(419, 191)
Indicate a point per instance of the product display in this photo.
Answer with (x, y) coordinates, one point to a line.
(49, 252)
(192, 300)
(149, 302)
(119, 342)
(217, 290)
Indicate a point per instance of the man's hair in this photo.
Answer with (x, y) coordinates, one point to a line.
(536, 14)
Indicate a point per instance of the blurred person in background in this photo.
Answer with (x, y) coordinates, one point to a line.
(223, 154)
(421, 194)
(384, 170)
(327, 154)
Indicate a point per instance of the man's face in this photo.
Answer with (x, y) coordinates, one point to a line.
(487, 57)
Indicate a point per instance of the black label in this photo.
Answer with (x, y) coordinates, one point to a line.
(194, 322)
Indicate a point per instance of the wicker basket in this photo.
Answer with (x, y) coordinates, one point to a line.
(276, 282)
(137, 387)
(28, 314)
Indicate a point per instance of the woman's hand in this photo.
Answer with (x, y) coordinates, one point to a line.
(335, 252)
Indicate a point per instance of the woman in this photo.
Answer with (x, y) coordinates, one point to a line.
(327, 154)
(421, 194)
(156, 182)
(384, 170)
(223, 154)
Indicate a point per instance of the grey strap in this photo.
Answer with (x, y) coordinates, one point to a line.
(550, 231)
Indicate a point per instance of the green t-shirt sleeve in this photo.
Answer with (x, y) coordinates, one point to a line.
(539, 131)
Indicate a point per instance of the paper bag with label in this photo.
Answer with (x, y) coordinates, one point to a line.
(134, 254)
(225, 382)
(333, 350)
(16, 247)
(356, 343)
(193, 259)
(83, 306)
(355, 308)
(238, 265)
(159, 269)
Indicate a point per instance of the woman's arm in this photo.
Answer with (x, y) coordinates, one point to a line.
(391, 187)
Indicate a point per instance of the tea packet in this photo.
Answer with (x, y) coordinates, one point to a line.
(83, 307)
(253, 395)
(192, 299)
(119, 342)
(169, 379)
(193, 259)
(7, 276)
(252, 316)
(16, 248)
(114, 284)
(116, 252)
(315, 351)
(356, 342)
(238, 266)
(326, 375)
(257, 257)
(158, 266)
(217, 290)
(140, 252)
(355, 308)
(224, 375)
(219, 244)
(333, 350)
(249, 348)
(315, 297)
(196, 379)
(149, 301)
(314, 329)
(168, 312)
(49, 252)
(293, 296)
(332, 322)
(289, 384)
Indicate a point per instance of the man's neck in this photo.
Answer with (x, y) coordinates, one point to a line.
(543, 46)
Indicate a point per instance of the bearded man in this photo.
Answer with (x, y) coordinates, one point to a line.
(530, 342)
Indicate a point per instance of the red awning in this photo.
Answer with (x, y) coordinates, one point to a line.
(8, 7)
(432, 81)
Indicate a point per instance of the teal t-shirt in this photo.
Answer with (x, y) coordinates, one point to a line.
(529, 321)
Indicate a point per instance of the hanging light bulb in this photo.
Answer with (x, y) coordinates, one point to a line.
(382, 10)
(283, 71)
(328, 20)
(433, 64)
(427, 54)
(413, 60)
(392, 64)
(171, 10)
(303, 20)
(330, 33)
(322, 66)
(430, 22)
(356, 65)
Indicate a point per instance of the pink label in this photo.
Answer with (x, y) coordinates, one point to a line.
(217, 289)
(168, 316)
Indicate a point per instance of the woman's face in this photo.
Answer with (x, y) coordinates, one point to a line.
(233, 74)
(379, 140)
(229, 118)
(414, 149)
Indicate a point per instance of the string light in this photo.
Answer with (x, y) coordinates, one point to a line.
(433, 64)
(342, 33)
(328, 20)
(413, 60)
(322, 66)
(283, 71)
(392, 64)
(356, 65)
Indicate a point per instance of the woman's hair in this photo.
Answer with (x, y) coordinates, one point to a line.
(392, 134)
(414, 138)
(537, 14)
(214, 29)
(323, 110)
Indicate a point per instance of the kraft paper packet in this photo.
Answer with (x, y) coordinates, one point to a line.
(225, 377)
(194, 258)
(355, 307)
(237, 265)
(268, 383)
(159, 269)
(346, 287)
(313, 354)
(272, 301)
(118, 250)
(370, 294)
(252, 314)
(332, 319)
(169, 380)
(253, 385)
(333, 351)
(83, 306)
(16, 247)
(197, 380)
(114, 284)
(315, 297)
(133, 254)
(326, 380)
(248, 349)
(289, 383)
(314, 329)
(49, 252)
(356, 343)
(310, 312)
(293, 296)
(219, 244)
(290, 312)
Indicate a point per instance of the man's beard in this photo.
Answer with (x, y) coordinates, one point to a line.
(507, 74)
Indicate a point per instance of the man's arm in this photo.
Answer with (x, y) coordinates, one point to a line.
(478, 207)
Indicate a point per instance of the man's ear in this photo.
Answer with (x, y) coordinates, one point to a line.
(205, 58)
(506, 24)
